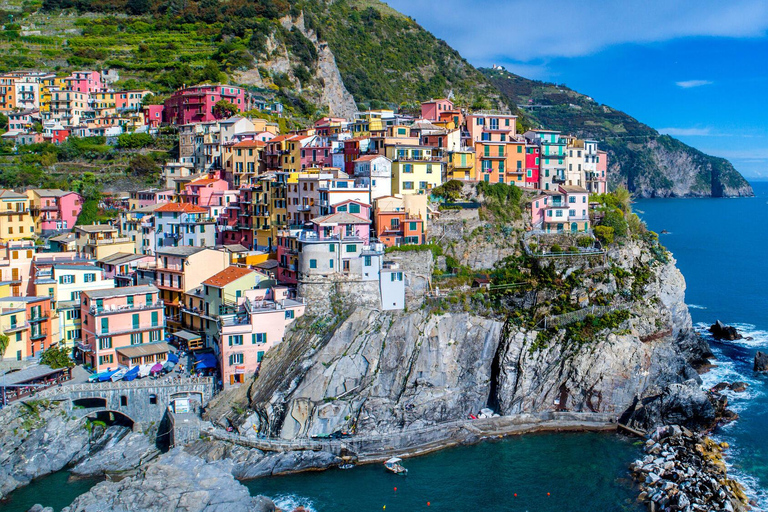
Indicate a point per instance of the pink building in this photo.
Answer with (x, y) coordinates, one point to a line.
(561, 211)
(259, 325)
(130, 100)
(197, 104)
(432, 109)
(153, 115)
(343, 226)
(116, 320)
(597, 181)
(53, 209)
(85, 82)
(316, 152)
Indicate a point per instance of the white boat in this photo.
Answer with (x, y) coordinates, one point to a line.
(394, 466)
(119, 374)
(144, 370)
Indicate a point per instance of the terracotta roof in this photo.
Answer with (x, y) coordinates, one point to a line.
(228, 275)
(250, 144)
(574, 189)
(204, 181)
(181, 207)
(280, 138)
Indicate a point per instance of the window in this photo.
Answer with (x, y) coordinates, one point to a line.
(429, 168)
(408, 168)
(261, 337)
(558, 213)
(154, 336)
(137, 338)
(105, 325)
(123, 401)
(235, 359)
(106, 359)
(259, 356)
(312, 263)
(331, 248)
(153, 399)
(105, 343)
(572, 213)
(66, 279)
(236, 340)
(135, 317)
(289, 314)
(354, 208)
(129, 299)
(350, 248)
(407, 185)
(89, 278)
(571, 199)
(366, 262)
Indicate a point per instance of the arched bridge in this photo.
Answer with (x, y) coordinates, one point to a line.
(142, 401)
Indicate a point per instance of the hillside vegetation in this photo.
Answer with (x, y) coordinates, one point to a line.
(385, 59)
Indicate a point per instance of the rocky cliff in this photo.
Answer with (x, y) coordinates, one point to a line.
(383, 372)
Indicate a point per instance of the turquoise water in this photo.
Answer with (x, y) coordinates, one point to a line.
(721, 246)
(580, 471)
(56, 490)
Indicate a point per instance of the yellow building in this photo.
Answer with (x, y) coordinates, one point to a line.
(461, 165)
(103, 100)
(415, 169)
(15, 219)
(244, 161)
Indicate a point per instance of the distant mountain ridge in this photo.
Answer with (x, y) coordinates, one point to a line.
(646, 162)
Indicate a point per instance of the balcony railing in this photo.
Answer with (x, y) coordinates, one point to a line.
(42, 333)
(109, 241)
(132, 329)
(122, 308)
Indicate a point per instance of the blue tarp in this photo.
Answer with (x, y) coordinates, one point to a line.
(173, 357)
(204, 361)
(104, 377)
(132, 373)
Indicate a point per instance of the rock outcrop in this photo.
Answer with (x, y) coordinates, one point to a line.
(394, 372)
(36, 439)
(720, 331)
(118, 455)
(761, 362)
(175, 481)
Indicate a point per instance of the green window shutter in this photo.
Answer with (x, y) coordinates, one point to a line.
(331, 247)
(149, 298)
(105, 325)
(135, 320)
(253, 339)
(519, 149)
(501, 150)
(130, 300)
(259, 356)
(154, 319)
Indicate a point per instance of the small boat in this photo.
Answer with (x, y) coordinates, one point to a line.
(348, 465)
(104, 377)
(95, 377)
(119, 374)
(131, 374)
(394, 466)
(144, 370)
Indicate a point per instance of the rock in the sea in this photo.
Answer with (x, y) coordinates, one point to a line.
(39, 508)
(761, 362)
(738, 387)
(174, 481)
(680, 404)
(720, 331)
(721, 386)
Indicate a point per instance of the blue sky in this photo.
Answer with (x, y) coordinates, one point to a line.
(697, 70)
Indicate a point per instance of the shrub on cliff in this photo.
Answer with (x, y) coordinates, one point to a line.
(604, 234)
(614, 219)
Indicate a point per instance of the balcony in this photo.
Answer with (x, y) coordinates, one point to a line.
(558, 178)
(303, 207)
(109, 241)
(133, 329)
(42, 333)
(16, 327)
(115, 308)
(39, 318)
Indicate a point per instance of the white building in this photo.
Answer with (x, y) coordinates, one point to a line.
(374, 172)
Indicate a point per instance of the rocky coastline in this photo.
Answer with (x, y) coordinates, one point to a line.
(683, 470)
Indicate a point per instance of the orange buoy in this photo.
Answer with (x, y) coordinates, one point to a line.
(547, 494)
(515, 495)
(427, 503)
(395, 489)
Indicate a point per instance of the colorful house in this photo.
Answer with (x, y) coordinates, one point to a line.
(15, 218)
(54, 210)
(198, 104)
(565, 210)
(115, 320)
(415, 169)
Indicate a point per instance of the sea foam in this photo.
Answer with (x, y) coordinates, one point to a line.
(290, 502)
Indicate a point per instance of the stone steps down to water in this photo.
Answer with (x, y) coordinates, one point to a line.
(685, 471)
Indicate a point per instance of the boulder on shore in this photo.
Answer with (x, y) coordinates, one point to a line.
(761, 362)
(739, 387)
(720, 331)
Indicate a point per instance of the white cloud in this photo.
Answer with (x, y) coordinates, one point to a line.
(688, 84)
(687, 132)
(485, 31)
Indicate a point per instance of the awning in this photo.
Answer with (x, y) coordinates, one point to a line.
(204, 361)
(148, 349)
(186, 335)
(29, 374)
(173, 358)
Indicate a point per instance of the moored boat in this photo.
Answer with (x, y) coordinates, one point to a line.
(394, 466)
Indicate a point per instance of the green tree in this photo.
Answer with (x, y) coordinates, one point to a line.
(3, 122)
(225, 108)
(134, 140)
(604, 234)
(4, 342)
(57, 357)
(623, 199)
(614, 218)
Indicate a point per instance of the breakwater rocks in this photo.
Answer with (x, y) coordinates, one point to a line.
(685, 471)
